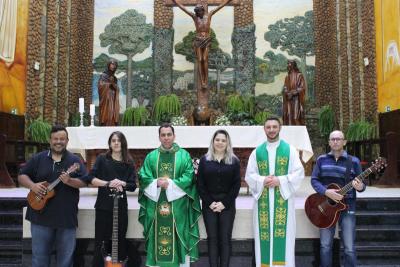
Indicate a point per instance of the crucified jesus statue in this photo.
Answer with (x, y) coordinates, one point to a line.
(201, 44)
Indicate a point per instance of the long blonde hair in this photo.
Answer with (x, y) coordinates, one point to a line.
(229, 156)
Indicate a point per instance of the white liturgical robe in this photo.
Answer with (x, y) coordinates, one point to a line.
(288, 184)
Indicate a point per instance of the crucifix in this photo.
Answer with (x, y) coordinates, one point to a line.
(201, 44)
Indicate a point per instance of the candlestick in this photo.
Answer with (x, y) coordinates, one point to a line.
(92, 114)
(81, 105)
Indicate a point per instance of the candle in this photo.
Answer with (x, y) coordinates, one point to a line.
(81, 105)
(92, 113)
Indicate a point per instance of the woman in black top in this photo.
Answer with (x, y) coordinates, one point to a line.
(218, 184)
(112, 170)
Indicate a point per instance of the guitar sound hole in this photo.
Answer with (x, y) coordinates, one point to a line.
(331, 202)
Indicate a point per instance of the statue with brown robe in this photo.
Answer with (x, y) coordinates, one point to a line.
(294, 93)
(109, 95)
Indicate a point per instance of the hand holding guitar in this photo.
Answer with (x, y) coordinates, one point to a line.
(357, 184)
(64, 177)
(333, 194)
(43, 191)
(323, 212)
(39, 189)
(117, 184)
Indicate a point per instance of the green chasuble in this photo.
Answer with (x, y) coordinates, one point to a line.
(170, 228)
(280, 207)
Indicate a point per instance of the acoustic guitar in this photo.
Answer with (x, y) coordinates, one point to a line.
(38, 202)
(112, 260)
(324, 212)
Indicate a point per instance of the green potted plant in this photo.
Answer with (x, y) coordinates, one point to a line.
(326, 121)
(39, 131)
(135, 116)
(261, 116)
(165, 107)
(361, 130)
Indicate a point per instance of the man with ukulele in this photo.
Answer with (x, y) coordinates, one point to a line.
(56, 223)
(338, 167)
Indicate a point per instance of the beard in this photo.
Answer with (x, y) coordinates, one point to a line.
(273, 137)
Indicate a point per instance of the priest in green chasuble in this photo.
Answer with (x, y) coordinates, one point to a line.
(169, 204)
(274, 172)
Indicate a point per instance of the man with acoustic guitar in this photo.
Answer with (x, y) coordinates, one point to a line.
(338, 167)
(56, 222)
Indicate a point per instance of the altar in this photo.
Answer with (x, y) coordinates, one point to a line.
(82, 139)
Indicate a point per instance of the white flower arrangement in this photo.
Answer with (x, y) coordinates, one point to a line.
(222, 120)
(179, 121)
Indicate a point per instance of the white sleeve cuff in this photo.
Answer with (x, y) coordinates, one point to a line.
(173, 191)
(152, 191)
(284, 187)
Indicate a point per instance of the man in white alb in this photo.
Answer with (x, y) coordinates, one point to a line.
(274, 172)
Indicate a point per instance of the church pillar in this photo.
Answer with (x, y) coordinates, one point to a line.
(163, 45)
(244, 47)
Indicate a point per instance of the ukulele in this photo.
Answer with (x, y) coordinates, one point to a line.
(112, 260)
(38, 202)
(324, 212)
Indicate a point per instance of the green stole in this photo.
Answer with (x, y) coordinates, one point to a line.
(280, 207)
(165, 234)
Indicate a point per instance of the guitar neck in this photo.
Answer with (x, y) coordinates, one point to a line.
(361, 177)
(71, 169)
(53, 184)
(114, 238)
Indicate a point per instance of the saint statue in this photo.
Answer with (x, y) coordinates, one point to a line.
(109, 95)
(294, 95)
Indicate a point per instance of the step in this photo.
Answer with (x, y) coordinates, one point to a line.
(381, 246)
(10, 245)
(11, 217)
(377, 217)
(12, 203)
(11, 213)
(378, 227)
(12, 231)
(378, 204)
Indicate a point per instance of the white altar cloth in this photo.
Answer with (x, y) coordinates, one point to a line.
(146, 137)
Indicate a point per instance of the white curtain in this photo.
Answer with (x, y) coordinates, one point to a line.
(8, 30)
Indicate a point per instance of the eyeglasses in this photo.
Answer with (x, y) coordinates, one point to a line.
(336, 139)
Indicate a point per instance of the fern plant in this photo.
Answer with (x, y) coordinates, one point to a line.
(248, 104)
(135, 116)
(326, 120)
(39, 131)
(166, 106)
(361, 130)
(235, 103)
(260, 117)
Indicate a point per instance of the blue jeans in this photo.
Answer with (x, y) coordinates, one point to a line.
(347, 224)
(43, 239)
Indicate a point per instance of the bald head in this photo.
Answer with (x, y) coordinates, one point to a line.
(336, 134)
(337, 142)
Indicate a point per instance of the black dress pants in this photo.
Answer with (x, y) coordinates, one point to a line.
(103, 232)
(219, 234)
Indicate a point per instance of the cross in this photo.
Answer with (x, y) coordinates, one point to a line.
(205, 3)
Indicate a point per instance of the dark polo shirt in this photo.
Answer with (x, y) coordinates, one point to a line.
(62, 209)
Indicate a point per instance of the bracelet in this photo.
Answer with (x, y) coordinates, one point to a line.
(107, 184)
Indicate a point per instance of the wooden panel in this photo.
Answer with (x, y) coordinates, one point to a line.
(12, 126)
(389, 122)
(209, 2)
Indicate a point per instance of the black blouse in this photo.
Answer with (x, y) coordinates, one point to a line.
(217, 181)
(107, 169)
